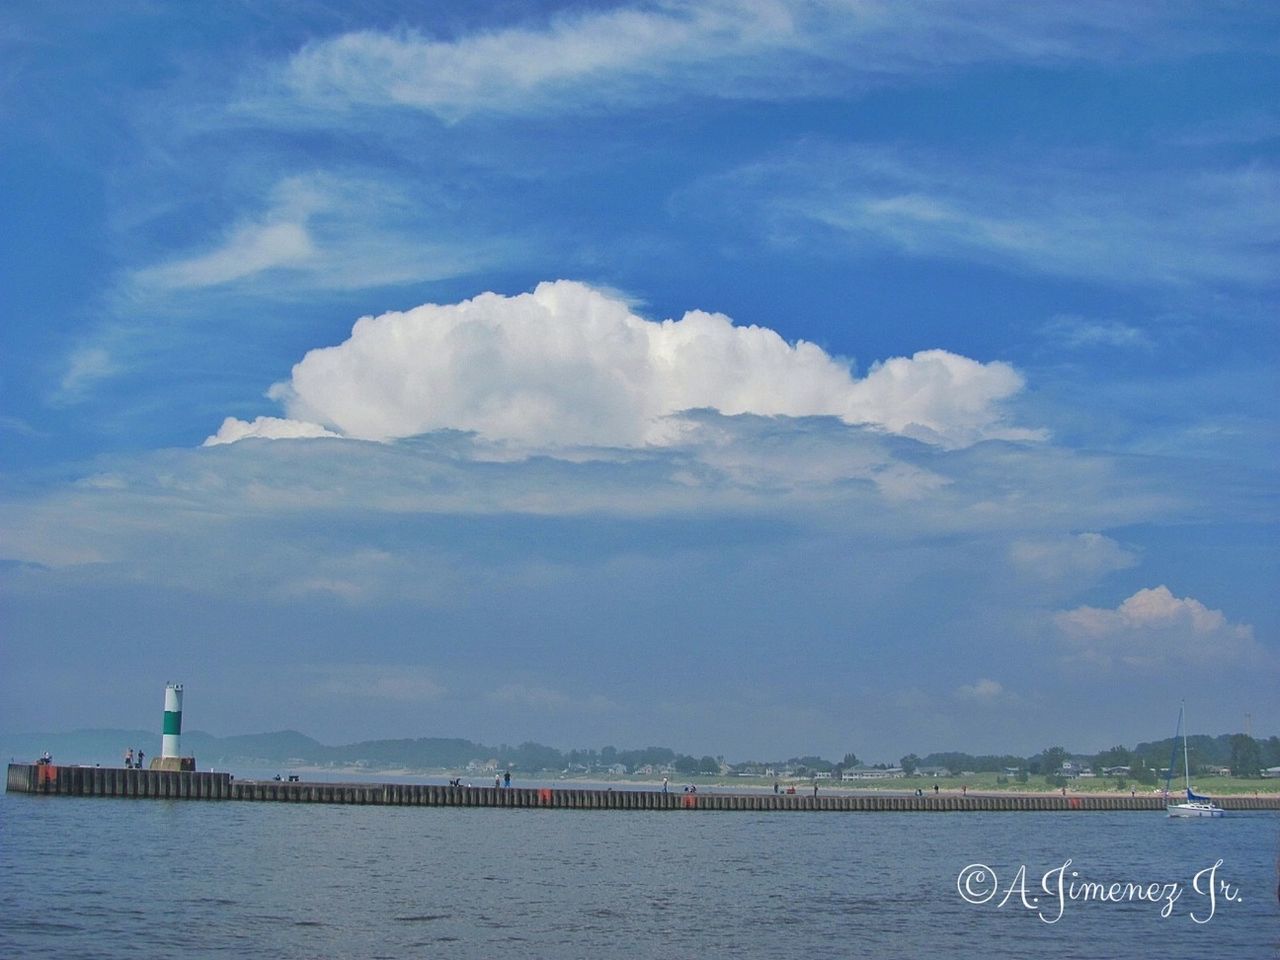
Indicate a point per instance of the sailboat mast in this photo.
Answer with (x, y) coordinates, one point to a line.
(1186, 763)
(1173, 751)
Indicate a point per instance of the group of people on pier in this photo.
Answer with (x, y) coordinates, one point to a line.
(130, 763)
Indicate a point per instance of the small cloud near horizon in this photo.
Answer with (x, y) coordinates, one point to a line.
(984, 690)
(1155, 629)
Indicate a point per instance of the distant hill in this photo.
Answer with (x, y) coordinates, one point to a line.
(283, 747)
(270, 748)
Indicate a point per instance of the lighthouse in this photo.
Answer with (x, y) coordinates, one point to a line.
(169, 747)
(171, 757)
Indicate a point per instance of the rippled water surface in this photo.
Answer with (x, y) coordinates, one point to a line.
(155, 878)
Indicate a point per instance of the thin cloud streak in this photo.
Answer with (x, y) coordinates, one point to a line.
(725, 49)
(372, 682)
(540, 698)
(1082, 333)
(323, 233)
(1073, 217)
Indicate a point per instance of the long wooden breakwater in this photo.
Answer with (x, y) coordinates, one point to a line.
(75, 781)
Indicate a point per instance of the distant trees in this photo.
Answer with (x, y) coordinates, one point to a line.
(811, 764)
(1204, 751)
(1115, 757)
(1052, 759)
(686, 764)
(531, 757)
(1271, 752)
(689, 766)
(607, 757)
(1246, 757)
(960, 762)
(1139, 771)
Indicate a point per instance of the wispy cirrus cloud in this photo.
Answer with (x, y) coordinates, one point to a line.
(984, 691)
(251, 248)
(1082, 217)
(85, 367)
(325, 232)
(507, 69)
(299, 239)
(726, 48)
(536, 697)
(1083, 333)
(1083, 556)
(373, 682)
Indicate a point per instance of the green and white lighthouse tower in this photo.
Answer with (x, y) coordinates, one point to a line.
(170, 746)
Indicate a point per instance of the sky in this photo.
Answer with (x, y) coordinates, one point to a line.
(751, 378)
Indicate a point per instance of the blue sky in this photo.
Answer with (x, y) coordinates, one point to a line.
(751, 378)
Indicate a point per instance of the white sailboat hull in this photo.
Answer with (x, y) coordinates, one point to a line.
(1195, 810)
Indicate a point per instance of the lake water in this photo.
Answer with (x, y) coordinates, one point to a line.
(106, 878)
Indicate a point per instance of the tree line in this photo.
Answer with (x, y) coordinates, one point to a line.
(1243, 754)
(1246, 756)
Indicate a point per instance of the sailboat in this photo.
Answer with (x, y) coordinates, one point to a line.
(1195, 805)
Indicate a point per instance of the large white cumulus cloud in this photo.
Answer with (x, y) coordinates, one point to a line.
(570, 365)
(1152, 628)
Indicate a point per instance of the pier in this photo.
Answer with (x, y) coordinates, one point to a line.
(77, 781)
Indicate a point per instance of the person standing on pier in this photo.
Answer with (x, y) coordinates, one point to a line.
(128, 758)
(506, 779)
(139, 759)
